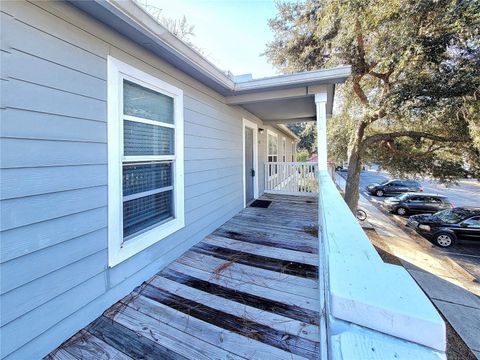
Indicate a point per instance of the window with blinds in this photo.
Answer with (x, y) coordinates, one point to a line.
(145, 160)
(148, 155)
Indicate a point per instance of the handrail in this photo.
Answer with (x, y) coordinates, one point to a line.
(362, 289)
(291, 178)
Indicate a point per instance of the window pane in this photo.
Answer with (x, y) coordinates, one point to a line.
(272, 145)
(146, 139)
(140, 177)
(140, 214)
(145, 103)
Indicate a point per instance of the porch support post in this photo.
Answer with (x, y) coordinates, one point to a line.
(321, 106)
(323, 267)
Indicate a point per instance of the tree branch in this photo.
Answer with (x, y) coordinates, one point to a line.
(359, 91)
(360, 45)
(412, 134)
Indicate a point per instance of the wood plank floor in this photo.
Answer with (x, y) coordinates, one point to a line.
(247, 291)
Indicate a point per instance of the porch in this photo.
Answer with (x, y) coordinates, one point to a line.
(248, 290)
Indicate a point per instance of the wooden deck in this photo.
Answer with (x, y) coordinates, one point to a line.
(247, 291)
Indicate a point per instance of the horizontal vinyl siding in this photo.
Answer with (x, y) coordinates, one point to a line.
(20, 182)
(33, 209)
(25, 124)
(28, 239)
(18, 272)
(54, 173)
(43, 289)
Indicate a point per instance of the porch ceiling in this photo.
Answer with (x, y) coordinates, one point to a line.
(284, 109)
(282, 106)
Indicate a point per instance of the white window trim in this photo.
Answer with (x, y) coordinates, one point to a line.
(118, 250)
(284, 149)
(254, 127)
(294, 150)
(270, 132)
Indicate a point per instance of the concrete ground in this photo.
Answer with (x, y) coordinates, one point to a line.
(454, 290)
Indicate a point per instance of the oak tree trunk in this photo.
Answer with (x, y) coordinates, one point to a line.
(354, 168)
(353, 180)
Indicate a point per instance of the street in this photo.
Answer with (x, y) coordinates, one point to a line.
(466, 193)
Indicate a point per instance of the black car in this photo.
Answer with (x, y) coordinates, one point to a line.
(447, 227)
(411, 203)
(394, 187)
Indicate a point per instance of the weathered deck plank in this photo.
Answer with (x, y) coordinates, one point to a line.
(269, 293)
(262, 250)
(237, 308)
(247, 291)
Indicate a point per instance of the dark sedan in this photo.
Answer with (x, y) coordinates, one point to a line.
(419, 203)
(447, 227)
(394, 187)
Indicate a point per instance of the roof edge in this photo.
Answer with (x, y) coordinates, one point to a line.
(287, 131)
(132, 21)
(330, 75)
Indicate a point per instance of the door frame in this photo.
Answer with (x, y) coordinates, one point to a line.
(250, 124)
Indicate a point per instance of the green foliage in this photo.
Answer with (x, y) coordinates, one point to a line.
(303, 155)
(307, 132)
(412, 102)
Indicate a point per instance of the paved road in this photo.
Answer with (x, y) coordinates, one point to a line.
(466, 193)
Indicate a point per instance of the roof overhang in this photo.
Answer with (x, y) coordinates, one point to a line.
(283, 128)
(259, 96)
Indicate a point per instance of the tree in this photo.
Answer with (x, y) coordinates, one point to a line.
(411, 102)
(178, 27)
(308, 136)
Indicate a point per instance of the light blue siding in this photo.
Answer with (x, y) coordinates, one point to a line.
(33, 69)
(18, 272)
(33, 209)
(28, 239)
(54, 176)
(53, 254)
(34, 125)
(20, 182)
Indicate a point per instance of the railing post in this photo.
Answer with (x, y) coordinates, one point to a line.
(321, 108)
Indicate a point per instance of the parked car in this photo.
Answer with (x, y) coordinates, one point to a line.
(342, 167)
(446, 227)
(394, 187)
(410, 203)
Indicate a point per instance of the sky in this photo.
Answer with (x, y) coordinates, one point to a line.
(231, 33)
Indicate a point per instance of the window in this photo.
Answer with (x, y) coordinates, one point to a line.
(284, 149)
(434, 200)
(293, 151)
(272, 152)
(473, 222)
(145, 160)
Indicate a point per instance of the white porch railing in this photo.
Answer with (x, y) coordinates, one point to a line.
(291, 178)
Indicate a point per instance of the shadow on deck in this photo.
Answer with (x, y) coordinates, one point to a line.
(248, 290)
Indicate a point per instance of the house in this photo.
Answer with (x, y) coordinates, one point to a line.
(122, 148)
